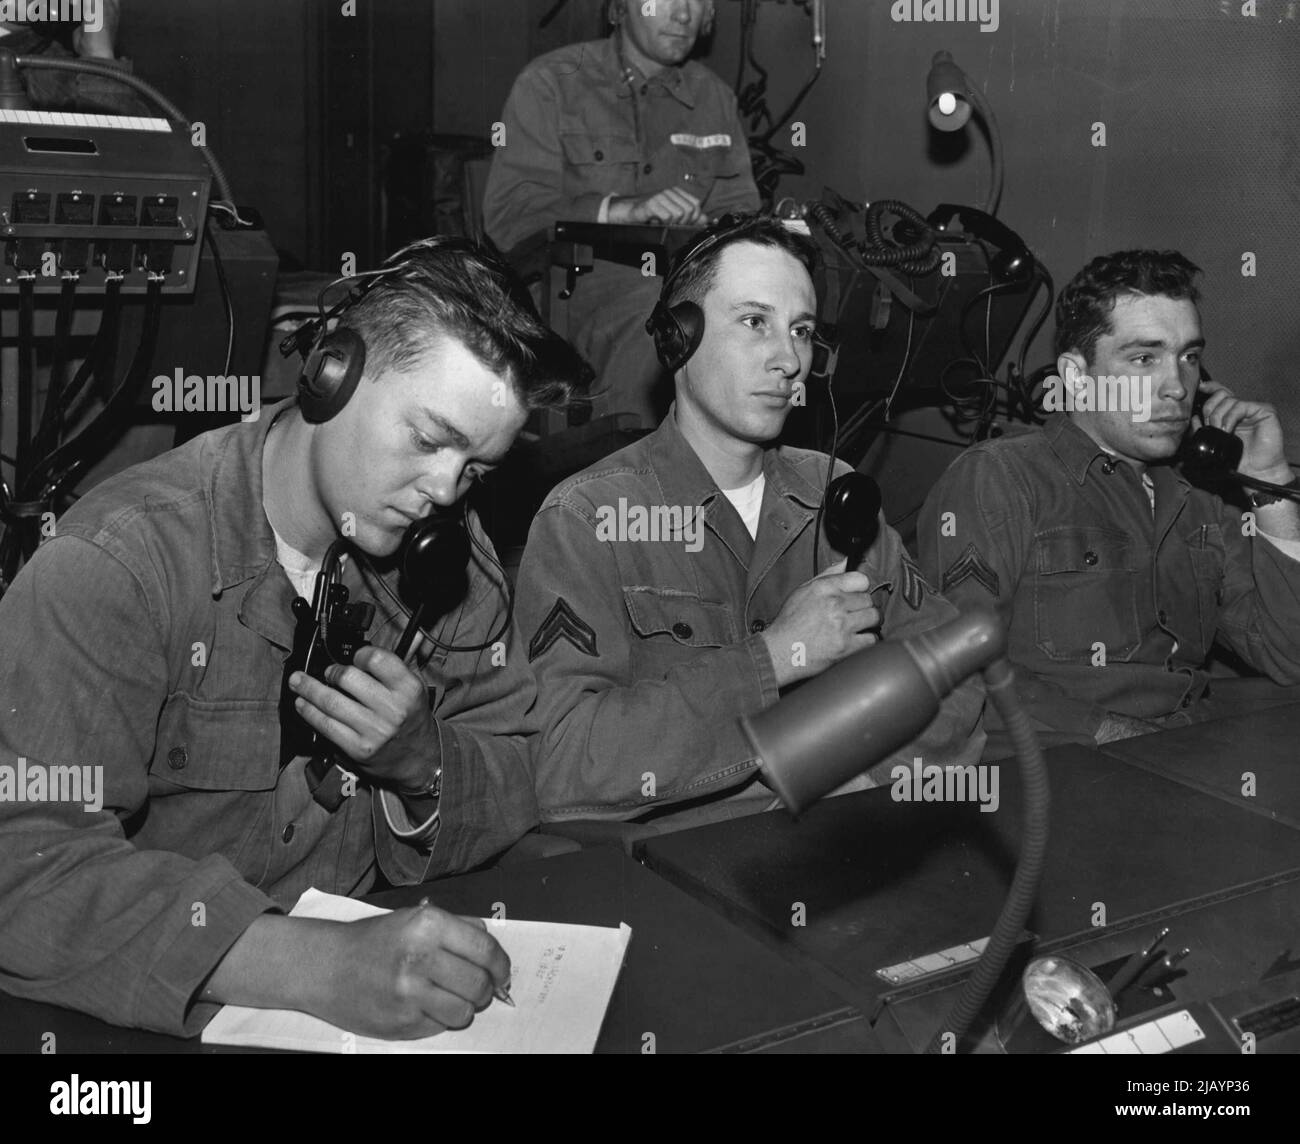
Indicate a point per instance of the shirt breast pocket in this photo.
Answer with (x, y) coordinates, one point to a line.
(599, 162)
(1085, 594)
(217, 744)
(673, 626)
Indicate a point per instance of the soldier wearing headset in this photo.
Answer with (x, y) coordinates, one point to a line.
(649, 640)
(148, 641)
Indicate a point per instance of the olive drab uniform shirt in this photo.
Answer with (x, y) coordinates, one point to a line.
(1113, 594)
(648, 648)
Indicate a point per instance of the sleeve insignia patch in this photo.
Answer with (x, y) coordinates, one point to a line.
(562, 623)
(971, 565)
(914, 584)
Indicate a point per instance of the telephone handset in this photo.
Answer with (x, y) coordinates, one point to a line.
(1210, 451)
(1012, 263)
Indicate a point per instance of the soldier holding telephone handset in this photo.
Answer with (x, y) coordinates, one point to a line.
(1117, 574)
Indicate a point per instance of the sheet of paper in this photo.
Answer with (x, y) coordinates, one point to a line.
(561, 980)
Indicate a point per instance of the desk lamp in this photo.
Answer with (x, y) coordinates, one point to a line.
(950, 98)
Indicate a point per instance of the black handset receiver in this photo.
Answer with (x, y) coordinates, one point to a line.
(1210, 451)
(1013, 262)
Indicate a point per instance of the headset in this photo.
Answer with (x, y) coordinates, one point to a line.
(678, 329)
(333, 363)
(334, 360)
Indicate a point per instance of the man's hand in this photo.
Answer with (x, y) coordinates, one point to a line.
(377, 713)
(1116, 727)
(820, 623)
(1258, 426)
(673, 206)
(410, 973)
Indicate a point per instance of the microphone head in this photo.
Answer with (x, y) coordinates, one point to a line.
(1212, 452)
(435, 561)
(852, 515)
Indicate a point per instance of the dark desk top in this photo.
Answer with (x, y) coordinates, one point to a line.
(1213, 757)
(690, 979)
(880, 882)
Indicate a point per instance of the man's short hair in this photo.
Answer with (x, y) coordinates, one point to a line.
(691, 279)
(472, 295)
(1083, 310)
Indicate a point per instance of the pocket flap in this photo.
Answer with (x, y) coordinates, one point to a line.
(684, 617)
(584, 147)
(1084, 550)
(218, 744)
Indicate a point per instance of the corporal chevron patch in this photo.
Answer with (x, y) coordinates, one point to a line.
(562, 623)
(971, 565)
(914, 584)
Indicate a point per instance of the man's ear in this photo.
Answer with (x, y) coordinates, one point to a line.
(1072, 368)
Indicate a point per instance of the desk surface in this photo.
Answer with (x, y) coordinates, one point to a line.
(692, 980)
(1241, 962)
(1213, 757)
(876, 882)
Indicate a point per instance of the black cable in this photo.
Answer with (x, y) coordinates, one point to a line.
(920, 256)
(1036, 801)
(105, 337)
(51, 423)
(59, 467)
(225, 295)
(788, 113)
(830, 470)
(1045, 278)
(26, 374)
(504, 585)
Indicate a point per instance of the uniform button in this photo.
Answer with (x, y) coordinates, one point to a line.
(599, 156)
(1108, 467)
(757, 626)
(1163, 617)
(648, 168)
(177, 757)
(682, 631)
(287, 834)
(1090, 558)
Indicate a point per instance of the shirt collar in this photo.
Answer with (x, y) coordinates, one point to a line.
(684, 479)
(243, 545)
(1077, 451)
(672, 79)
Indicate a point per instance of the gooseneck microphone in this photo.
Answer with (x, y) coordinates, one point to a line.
(852, 508)
(873, 703)
(435, 571)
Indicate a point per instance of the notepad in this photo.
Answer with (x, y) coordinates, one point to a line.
(561, 980)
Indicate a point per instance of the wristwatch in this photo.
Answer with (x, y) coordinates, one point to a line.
(1259, 497)
(422, 805)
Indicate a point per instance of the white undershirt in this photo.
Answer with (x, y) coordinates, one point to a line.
(748, 501)
(300, 569)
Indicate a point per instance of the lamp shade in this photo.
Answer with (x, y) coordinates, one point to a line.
(947, 94)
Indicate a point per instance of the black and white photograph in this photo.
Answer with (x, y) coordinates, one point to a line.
(649, 528)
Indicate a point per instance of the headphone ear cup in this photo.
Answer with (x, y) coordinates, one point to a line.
(330, 374)
(677, 332)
